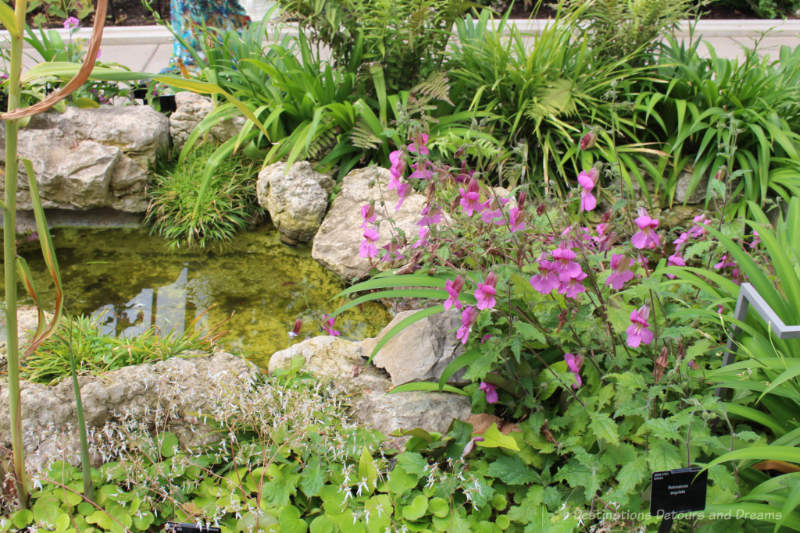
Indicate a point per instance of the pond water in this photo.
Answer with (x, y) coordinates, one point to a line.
(254, 286)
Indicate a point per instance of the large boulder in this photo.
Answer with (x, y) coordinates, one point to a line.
(343, 362)
(171, 394)
(91, 158)
(191, 108)
(337, 243)
(296, 200)
(421, 351)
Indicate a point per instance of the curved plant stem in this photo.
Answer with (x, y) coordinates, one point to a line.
(10, 254)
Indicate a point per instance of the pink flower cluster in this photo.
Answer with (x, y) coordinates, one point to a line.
(696, 231)
(620, 271)
(562, 273)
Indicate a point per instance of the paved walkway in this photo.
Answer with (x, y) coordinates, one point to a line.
(148, 48)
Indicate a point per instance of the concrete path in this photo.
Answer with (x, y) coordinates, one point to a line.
(148, 48)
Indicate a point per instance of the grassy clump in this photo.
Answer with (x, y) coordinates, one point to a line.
(96, 353)
(186, 214)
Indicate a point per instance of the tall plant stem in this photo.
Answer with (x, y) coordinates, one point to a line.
(88, 488)
(10, 254)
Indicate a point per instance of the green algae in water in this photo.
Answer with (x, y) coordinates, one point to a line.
(255, 285)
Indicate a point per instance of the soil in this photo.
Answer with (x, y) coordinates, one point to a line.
(133, 13)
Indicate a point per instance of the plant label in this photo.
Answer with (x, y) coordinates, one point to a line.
(678, 491)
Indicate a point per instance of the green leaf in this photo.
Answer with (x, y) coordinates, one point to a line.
(100, 518)
(511, 470)
(21, 518)
(367, 470)
(530, 333)
(168, 444)
(8, 19)
(663, 455)
(412, 462)
(426, 386)
(401, 481)
(312, 478)
(323, 524)
(770, 452)
(492, 438)
(439, 507)
(380, 513)
(604, 428)
(416, 509)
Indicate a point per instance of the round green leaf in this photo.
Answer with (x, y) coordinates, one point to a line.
(416, 509)
(439, 507)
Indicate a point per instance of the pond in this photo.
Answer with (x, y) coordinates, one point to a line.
(253, 288)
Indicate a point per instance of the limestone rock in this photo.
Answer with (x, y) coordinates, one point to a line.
(682, 189)
(94, 158)
(296, 200)
(27, 319)
(421, 351)
(190, 109)
(343, 361)
(431, 411)
(337, 243)
(174, 391)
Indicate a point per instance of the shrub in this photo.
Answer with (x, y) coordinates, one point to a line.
(619, 28)
(187, 214)
(406, 37)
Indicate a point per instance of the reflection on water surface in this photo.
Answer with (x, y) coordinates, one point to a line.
(130, 281)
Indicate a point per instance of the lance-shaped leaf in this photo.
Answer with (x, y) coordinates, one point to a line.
(49, 256)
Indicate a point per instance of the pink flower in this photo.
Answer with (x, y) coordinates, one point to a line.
(398, 164)
(431, 214)
(453, 288)
(547, 279)
(566, 267)
(490, 390)
(468, 316)
(402, 192)
(696, 230)
(368, 248)
(675, 260)
(572, 287)
(645, 237)
(756, 240)
(637, 331)
(681, 240)
(515, 222)
(724, 262)
(422, 172)
(328, 325)
(470, 199)
(486, 291)
(71, 23)
(588, 201)
(368, 214)
(419, 144)
(574, 363)
(391, 252)
(621, 273)
(493, 217)
(587, 180)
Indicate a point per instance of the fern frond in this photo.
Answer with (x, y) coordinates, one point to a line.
(362, 137)
(436, 87)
